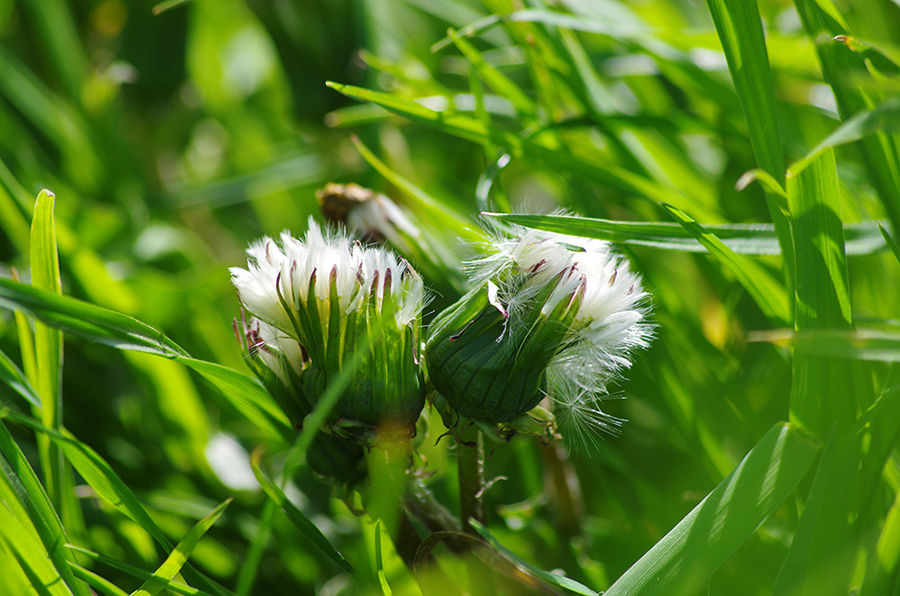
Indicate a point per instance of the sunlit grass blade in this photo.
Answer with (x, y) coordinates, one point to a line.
(180, 554)
(724, 520)
(745, 239)
(472, 129)
(885, 564)
(854, 344)
(19, 537)
(296, 516)
(107, 484)
(88, 321)
(48, 351)
(848, 76)
(46, 521)
(892, 244)
(768, 294)
(95, 581)
(821, 391)
(15, 378)
(740, 30)
(247, 395)
(111, 328)
(495, 79)
(551, 578)
(832, 525)
(884, 118)
(172, 586)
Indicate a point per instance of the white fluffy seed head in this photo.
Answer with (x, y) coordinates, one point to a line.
(609, 325)
(279, 275)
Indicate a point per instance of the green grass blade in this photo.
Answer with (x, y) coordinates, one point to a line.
(884, 118)
(107, 484)
(495, 79)
(247, 395)
(746, 239)
(19, 536)
(40, 510)
(309, 529)
(472, 129)
(48, 349)
(103, 585)
(831, 528)
(551, 578)
(892, 244)
(849, 78)
(173, 586)
(821, 392)
(858, 344)
(739, 28)
(181, 553)
(740, 31)
(768, 294)
(885, 565)
(15, 378)
(724, 520)
(88, 321)
(114, 329)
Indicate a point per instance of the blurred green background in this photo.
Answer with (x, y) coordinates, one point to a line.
(172, 140)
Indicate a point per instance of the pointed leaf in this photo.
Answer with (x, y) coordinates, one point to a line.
(181, 553)
(724, 520)
(766, 292)
(309, 529)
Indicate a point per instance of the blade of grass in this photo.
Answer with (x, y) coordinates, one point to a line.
(883, 568)
(40, 510)
(739, 28)
(48, 350)
(107, 327)
(105, 586)
(768, 294)
(846, 73)
(181, 553)
(175, 587)
(884, 118)
(88, 321)
(821, 391)
(750, 239)
(473, 130)
(15, 378)
(831, 527)
(551, 578)
(725, 519)
(855, 344)
(109, 486)
(890, 242)
(309, 529)
(18, 535)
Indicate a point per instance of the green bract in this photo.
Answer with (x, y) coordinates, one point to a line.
(552, 316)
(325, 306)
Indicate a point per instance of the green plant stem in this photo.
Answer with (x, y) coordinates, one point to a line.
(470, 461)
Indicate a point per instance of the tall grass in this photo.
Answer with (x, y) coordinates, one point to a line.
(743, 155)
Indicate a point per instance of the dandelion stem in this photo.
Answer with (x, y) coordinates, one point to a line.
(470, 461)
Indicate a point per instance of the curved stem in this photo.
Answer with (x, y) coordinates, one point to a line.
(470, 462)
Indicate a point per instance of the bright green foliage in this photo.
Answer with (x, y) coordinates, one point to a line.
(760, 452)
